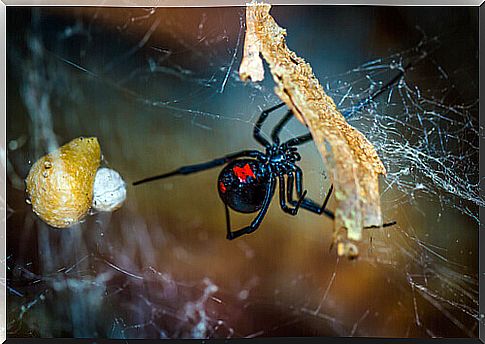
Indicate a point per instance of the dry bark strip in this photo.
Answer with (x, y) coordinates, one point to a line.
(350, 159)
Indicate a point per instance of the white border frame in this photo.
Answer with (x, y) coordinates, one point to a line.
(3, 171)
(226, 3)
(135, 3)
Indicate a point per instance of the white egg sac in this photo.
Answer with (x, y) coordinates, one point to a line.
(109, 190)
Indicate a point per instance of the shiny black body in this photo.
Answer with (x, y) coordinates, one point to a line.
(241, 191)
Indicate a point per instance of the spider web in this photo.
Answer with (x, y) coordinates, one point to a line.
(159, 88)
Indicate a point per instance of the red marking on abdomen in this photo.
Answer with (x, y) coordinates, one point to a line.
(243, 173)
(222, 187)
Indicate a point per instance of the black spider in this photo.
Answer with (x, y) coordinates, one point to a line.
(248, 182)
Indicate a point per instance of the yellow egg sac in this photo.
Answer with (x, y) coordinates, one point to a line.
(60, 184)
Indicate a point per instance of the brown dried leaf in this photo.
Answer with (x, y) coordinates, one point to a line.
(350, 159)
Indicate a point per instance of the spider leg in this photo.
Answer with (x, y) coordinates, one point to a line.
(284, 207)
(314, 207)
(289, 186)
(228, 221)
(296, 141)
(203, 166)
(292, 142)
(289, 190)
(388, 224)
(384, 88)
(270, 189)
(308, 204)
(278, 127)
(257, 127)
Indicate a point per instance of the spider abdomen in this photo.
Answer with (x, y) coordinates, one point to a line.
(242, 185)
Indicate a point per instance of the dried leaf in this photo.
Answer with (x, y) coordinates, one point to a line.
(350, 159)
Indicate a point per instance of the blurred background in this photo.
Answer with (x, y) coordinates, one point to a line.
(159, 88)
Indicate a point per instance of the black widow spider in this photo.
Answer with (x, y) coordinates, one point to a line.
(248, 182)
